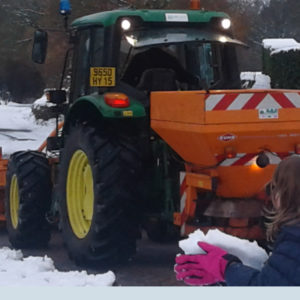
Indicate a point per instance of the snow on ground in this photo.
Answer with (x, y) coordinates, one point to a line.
(256, 80)
(19, 130)
(15, 270)
(248, 252)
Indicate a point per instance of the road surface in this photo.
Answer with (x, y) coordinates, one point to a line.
(152, 266)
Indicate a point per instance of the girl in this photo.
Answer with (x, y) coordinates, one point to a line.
(283, 266)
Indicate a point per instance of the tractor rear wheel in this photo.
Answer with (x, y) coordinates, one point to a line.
(28, 199)
(98, 181)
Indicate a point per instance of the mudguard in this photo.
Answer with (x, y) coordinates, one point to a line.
(95, 104)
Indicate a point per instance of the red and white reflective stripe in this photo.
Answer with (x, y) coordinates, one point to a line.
(247, 159)
(235, 101)
(182, 190)
(183, 187)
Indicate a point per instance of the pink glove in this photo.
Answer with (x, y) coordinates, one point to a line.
(202, 269)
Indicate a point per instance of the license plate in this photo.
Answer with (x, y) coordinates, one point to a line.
(102, 76)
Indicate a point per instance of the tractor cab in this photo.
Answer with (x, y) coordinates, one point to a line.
(136, 52)
(139, 51)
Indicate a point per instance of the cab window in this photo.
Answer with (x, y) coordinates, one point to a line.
(88, 53)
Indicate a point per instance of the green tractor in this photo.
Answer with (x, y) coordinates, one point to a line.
(107, 174)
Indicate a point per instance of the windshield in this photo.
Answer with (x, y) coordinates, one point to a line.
(163, 36)
(177, 59)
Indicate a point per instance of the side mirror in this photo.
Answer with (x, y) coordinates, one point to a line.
(39, 49)
(56, 96)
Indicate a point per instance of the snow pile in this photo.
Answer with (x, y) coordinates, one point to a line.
(42, 102)
(248, 252)
(19, 129)
(255, 80)
(15, 270)
(280, 45)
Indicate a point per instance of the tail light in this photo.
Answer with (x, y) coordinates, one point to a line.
(116, 100)
(230, 152)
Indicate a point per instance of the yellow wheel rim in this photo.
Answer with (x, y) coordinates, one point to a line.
(14, 201)
(80, 194)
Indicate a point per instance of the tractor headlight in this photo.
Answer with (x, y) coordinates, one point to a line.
(126, 24)
(226, 24)
(223, 39)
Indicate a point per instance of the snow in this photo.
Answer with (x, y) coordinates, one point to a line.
(259, 80)
(248, 252)
(19, 130)
(281, 45)
(17, 271)
(42, 102)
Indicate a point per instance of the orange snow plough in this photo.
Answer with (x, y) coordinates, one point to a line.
(231, 142)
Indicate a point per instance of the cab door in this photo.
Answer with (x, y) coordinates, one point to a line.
(88, 52)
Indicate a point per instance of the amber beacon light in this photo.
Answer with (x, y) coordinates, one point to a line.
(195, 4)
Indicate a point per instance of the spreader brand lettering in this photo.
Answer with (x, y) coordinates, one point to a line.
(227, 137)
(268, 113)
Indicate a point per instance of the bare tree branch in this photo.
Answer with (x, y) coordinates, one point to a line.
(23, 41)
(41, 13)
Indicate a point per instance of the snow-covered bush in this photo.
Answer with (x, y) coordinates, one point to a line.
(281, 61)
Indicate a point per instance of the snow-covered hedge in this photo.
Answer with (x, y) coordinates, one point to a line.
(281, 61)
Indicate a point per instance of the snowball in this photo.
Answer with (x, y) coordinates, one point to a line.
(248, 252)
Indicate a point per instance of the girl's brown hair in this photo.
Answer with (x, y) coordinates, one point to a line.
(285, 187)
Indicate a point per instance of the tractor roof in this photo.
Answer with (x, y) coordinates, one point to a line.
(108, 18)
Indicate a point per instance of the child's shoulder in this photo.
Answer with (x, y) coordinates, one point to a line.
(289, 233)
(291, 230)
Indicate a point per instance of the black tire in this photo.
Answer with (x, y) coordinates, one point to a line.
(32, 172)
(115, 165)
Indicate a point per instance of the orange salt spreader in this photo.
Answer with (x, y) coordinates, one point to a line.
(231, 142)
